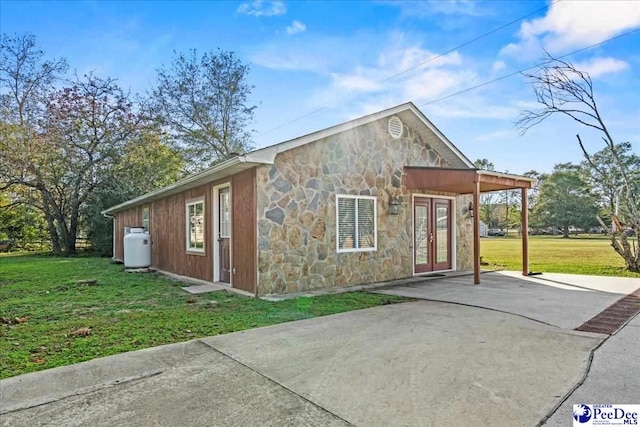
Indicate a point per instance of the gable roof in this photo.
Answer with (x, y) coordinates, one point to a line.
(267, 155)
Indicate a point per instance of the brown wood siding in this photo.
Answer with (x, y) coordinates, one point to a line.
(244, 232)
(168, 235)
(129, 218)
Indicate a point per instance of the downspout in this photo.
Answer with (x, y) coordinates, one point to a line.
(113, 239)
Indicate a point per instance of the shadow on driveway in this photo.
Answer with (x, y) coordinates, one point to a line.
(565, 301)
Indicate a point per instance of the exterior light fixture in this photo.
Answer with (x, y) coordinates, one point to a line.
(394, 205)
(470, 209)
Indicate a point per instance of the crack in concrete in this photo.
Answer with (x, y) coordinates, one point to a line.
(83, 391)
(277, 383)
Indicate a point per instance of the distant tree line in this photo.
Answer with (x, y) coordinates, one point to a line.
(72, 145)
(602, 191)
(568, 198)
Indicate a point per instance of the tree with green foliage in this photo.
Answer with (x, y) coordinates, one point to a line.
(536, 222)
(565, 200)
(20, 223)
(204, 103)
(26, 82)
(562, 89)
(489, 207)
(59, 141)
(607, 180)
(145, 164)
(71, 148)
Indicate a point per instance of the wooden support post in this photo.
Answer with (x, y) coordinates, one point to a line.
(476, 232)
(525, 233)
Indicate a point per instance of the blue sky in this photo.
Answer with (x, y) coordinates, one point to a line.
(336, 59)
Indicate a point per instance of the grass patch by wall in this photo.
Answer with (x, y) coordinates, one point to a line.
(41, 305)
(582, 254)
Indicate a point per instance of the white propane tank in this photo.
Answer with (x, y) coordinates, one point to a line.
(137, 248)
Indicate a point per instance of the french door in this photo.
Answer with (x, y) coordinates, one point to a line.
(431, 234)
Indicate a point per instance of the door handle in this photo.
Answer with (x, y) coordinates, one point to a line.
(430, 237)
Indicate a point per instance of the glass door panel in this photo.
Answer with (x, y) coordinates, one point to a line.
(422, 236)
(442, 244)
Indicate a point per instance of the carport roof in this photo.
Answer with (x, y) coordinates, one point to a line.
(461, 181)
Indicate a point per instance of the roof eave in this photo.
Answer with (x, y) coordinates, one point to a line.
(506, 175)
(219, 171)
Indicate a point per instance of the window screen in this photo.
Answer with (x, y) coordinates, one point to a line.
(356, 223)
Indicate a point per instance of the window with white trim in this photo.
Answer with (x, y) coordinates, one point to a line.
(195, 226)
(145, 218)
(356, 223)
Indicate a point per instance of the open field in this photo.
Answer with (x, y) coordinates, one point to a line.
(41, 305)
(583, 254)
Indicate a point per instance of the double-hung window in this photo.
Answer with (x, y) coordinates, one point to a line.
(195, 226)
(356, 223)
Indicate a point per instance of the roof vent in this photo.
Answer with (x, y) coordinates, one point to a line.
(395, 127)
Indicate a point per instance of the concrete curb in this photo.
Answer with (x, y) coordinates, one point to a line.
(38, 388)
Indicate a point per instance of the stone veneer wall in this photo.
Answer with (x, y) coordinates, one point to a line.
(297, 212)
(464, 234)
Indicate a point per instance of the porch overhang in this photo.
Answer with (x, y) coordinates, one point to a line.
(473, 181)
(461, 181)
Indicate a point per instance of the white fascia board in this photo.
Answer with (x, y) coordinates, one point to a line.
(262, 156)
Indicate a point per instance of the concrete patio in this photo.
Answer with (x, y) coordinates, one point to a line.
(563, 300)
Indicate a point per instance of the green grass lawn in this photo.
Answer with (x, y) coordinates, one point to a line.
(583, 254)
(126, 311)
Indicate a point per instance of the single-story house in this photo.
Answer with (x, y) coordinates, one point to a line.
(381, 197)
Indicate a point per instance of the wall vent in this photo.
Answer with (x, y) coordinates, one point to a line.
(395, 127)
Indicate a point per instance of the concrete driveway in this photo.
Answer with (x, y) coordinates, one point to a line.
(417, 363)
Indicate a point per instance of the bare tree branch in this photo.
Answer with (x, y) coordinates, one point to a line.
(562, 89)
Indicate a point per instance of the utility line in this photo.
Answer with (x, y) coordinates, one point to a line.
(522, 70)
(433, 58)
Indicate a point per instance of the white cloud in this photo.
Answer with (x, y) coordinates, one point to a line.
(472, 108)
(497, 135)
(314, 56)
(386, 77)
(359, 81)
(296, 27)
(574, 24)
(599, 66)
(498, 66)
(422, 9)
(263, 8)
(399, 58)
(434, 83)
(389, 74)
(355, 81)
